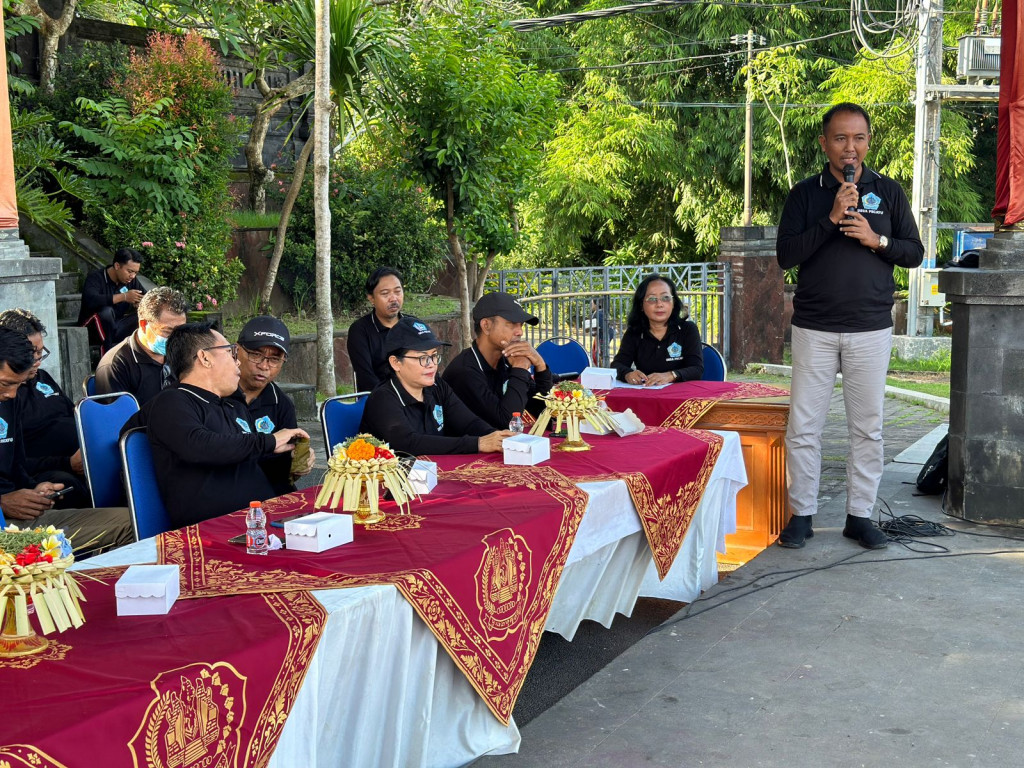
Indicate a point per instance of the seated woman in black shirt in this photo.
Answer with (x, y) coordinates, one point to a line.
(416, 412)
(658, 346)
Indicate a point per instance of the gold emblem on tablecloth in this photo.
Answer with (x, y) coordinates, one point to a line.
(396, 523)
(55, 651)
(194, 719)
(26, 756)
(502, 582)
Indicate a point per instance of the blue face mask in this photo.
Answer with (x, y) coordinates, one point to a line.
(157, 346)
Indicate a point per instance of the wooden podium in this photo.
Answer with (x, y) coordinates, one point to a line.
(762, 508)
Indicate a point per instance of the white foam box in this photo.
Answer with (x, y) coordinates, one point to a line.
(147, 590)
(597, 378)
(318, 532)
(423, 476)
(526, 450)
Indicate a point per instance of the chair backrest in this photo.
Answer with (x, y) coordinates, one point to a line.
(714, 364)
(99, 420)
(89, 385)
(149, 516)
(565, 357)
(340, 417)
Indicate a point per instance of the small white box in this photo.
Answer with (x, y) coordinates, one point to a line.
(318, 532)
(147, 590)
(423, 476)
(526, 450)
(598, 378)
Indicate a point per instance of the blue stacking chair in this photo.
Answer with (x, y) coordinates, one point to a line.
(340, 417)
(714, 364)
(149, 516)
(89, 386)
(565, 357)
(99, 420)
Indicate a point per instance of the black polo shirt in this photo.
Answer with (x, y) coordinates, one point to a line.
(129, 368)
(48, 425)
(99, 291)
(366, 351)
(680, 351)
(13, 475)
(206, 454)
(843, 286)
(440, 424)
(494, 394)
(270, 411)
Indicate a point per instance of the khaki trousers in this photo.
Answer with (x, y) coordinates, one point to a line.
(863, 359)
(90, 530)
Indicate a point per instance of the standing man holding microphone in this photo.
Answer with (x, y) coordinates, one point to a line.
(845, 228)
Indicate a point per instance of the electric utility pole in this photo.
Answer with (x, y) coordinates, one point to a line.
(748, 146)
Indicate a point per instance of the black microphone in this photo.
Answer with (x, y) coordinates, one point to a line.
(848, 176)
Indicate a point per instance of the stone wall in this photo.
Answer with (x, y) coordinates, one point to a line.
(253, 247)
(757, 308)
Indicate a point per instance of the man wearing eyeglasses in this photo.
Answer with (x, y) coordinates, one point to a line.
(206, 450)
(493, 375)
(262, 350)
(47, 418)
(136, 365)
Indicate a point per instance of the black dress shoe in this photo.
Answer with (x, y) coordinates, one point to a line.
(865, 533)
(796, 532)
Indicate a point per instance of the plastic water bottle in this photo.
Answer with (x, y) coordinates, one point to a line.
(516, 424)
(256, 529)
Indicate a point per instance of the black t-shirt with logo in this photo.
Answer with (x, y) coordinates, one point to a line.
(48, 424)
(270, 411)
(13, 475)
(680, 351)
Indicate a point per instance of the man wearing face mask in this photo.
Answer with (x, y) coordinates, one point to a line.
(136, 365)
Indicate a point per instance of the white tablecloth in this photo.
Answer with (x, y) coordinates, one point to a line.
(381, 691)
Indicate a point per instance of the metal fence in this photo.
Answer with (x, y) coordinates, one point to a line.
(590, 304)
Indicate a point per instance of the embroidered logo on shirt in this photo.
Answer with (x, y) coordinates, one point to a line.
(264, 425)
(504, 387)
(46, 389)
(439, 417)
(244, 425)
(674, 350)
(124, 289)
(3, 429)
(871, 201)
(421, 327)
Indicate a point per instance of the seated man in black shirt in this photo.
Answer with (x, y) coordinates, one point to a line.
(47, 418)
(136, 365)
(366, 336)
(25, 501)
(206, 452)
(493, 376)
(416, 413)
(262, 351)
(112, 294)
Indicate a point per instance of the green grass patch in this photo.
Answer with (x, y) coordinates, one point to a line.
(938, 388)
(254, 220)
(940, 361)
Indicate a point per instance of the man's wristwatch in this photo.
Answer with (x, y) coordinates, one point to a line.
(883, 244)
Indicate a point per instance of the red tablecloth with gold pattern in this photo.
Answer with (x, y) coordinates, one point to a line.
(682, 405)
(666, 471)
(210, 684)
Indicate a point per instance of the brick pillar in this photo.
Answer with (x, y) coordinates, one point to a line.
(986, 403)
(757, 306)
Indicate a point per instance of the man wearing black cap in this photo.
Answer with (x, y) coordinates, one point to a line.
(493, 376)
(366, 336)
(415, 412)
(263, 347)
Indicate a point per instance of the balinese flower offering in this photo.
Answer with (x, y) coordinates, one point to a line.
(33, 565)
(569, 402)
(357, 472)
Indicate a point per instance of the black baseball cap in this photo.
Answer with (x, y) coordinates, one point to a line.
(410, 333)
(502, 305)
(265, 331)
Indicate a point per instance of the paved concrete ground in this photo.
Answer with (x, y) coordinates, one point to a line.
(826, 656)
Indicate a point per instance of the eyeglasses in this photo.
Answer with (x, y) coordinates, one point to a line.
(257, 359)
(658, 299)
(232, 348)
(41, 354)
(425, 360)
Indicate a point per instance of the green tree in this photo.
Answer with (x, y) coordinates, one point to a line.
(471, 120)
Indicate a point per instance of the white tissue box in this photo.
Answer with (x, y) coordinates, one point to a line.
(147, 590)
(423, 476)
(526, 450)
(626, 423)
(318, 532)
(598, 378)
